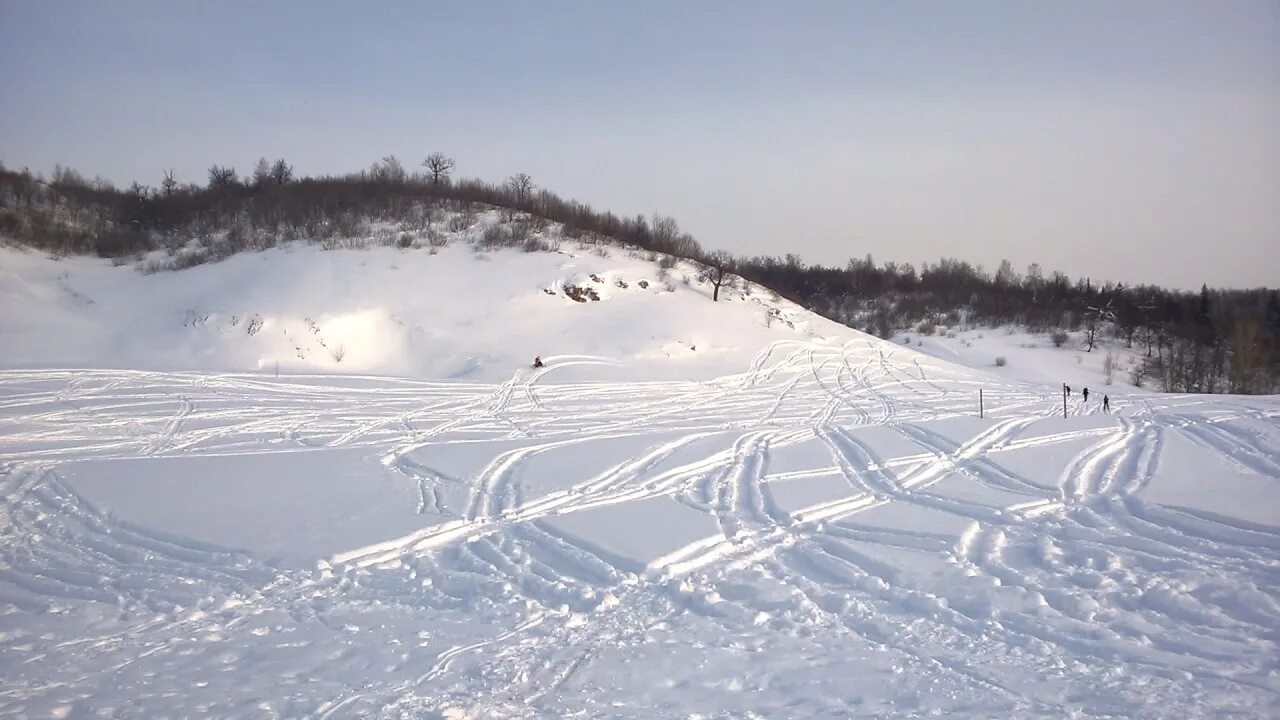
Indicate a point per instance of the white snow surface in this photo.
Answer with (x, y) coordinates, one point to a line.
(457, 314)
(1032, 357)
(692, 511)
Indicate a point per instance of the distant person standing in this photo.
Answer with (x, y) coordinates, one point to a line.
(1086, 394)
(1067, 387)
(1106, 404)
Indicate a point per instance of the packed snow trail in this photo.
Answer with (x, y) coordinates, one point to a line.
(832, 531)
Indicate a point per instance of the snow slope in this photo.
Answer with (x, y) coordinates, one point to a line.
(1032, 357)
(456, 314)
(785, 522)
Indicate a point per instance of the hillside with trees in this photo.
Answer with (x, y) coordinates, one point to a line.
(1211, 341)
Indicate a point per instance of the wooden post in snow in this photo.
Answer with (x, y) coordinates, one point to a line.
(980, 412)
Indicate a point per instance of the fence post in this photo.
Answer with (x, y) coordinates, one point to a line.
(980, 411)
(1064, 400)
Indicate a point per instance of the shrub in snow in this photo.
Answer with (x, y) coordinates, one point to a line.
(533, 244)
(155, 265)
(1001, 361)
(496, 236)
(581, 294)
(1059, 338)
(926, 328)
(1136, 374)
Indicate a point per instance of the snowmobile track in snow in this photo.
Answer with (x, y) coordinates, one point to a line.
(832, 505)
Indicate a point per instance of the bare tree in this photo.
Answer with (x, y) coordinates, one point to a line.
(281, 172)
(262, 173)
(222, 176)
(521, 187)
(664, 232)
(1109, 364)
(438, 166)
(719, 272)
(170, 183)
(1095, 315)
(1006, 275)
(1035, 279)
(388, 170)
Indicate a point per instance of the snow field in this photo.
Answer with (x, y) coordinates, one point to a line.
(829, 532)
(695, 509)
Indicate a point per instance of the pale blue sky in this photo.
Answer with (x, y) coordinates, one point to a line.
(1135, 141)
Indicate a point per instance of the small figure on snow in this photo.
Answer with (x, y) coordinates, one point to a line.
(1106, 404)
(1086, 394)
(1067, 388)
(537, 361)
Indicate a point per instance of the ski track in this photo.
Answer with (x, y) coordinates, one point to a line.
(1112, 604)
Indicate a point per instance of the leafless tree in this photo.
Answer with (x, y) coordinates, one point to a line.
(1095, 315)
(1035, 279)
(222, 176)
(719, 272)
(520, 186)
(438, 167)
(281, 172)
(388, 170)
(665, 231)
(170, 183)
(262, 173)
(1006, 275)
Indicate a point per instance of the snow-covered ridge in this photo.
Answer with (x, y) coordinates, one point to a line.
(453, 310)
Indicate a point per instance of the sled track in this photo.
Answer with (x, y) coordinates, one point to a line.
(1023, 591)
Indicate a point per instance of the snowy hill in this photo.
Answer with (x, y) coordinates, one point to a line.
(698, 509)
(1016, 354)
(452, 313)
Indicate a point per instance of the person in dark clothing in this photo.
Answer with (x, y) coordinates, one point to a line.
(1086, 394)
(537, 361)
(1106, 404)
(1068, 388)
